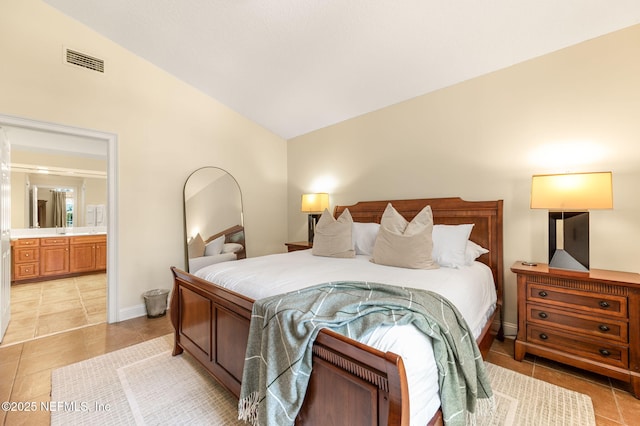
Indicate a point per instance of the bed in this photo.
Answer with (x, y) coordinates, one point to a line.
(361, 384)
(224, 246)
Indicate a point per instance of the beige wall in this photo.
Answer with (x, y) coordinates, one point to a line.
(165, 130)
(577, 109)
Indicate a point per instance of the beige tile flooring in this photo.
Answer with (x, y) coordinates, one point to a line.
(49, 307)
(25, 368)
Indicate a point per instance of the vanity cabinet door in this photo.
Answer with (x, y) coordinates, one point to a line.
(101, 256)
(82, 257)
(54, 256)
(88, 253)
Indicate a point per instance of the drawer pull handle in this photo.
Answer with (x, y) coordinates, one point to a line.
(603, 327)
(543, 336)
(604, 352)
(543, 315)
(604, 304)
(542, 294)
(26, 255)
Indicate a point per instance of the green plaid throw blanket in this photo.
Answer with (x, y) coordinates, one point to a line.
(283, 329)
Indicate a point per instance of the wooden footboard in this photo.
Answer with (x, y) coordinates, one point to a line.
(211, 324)
(361, 385)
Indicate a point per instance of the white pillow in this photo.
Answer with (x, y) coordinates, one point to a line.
(333, 237)
(364, 237)
(214, 247)
(450, 243)
(472, 252)
(232, 247)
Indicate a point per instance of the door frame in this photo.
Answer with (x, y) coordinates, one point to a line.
(5, 235)
(112, 210)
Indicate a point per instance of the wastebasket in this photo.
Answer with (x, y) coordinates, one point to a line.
(156, 302)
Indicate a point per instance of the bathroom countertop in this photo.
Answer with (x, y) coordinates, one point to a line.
(51, 232)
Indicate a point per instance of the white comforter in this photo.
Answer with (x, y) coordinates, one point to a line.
(470, 288)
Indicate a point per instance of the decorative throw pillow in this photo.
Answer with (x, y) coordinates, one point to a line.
(333, 237)
(364, 237)
(195, 248)
(449, 244)
(214, 247)
(405, 244)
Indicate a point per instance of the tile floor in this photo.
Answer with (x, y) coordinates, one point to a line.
(25, 368)
(49, 307)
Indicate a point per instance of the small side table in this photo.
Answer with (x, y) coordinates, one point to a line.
(298, 245)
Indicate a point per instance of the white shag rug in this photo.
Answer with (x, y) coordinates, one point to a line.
(145, 385)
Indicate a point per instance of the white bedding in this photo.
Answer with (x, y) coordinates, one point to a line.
(196, 263)
(470, 288)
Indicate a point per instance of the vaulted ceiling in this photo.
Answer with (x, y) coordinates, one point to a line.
(295, 66)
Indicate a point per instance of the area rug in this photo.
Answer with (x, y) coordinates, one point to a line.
(145, 385)
(525, 401)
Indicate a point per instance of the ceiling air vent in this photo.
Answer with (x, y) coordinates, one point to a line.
(83, 60)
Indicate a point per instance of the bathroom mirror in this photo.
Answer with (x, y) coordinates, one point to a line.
(58, 178)
(213, 219)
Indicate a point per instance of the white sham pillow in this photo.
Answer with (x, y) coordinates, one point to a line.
(364, 237)
(472, 252)
(232, 247)
(450, 244)
(214, 247)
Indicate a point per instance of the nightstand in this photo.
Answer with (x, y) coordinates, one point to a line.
(298, 245)
(589, 320)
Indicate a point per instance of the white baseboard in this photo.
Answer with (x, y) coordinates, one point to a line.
(510, 329)
(132, 312)
(137, 310)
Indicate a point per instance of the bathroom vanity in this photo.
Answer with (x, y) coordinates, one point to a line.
(52, 256)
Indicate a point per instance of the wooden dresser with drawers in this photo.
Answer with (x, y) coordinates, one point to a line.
(589, 320)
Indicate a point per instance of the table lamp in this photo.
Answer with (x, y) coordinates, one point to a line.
(568, 197)
(314, 205)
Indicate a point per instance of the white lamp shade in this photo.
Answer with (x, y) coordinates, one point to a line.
(314, 203)
(572, 191)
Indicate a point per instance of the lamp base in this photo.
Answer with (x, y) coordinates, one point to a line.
(563, 260)
(313, 219)
(569, 241)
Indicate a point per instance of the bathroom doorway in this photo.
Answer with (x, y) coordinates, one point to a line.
(80, 142)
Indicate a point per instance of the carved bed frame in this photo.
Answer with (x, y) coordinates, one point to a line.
(351, 383)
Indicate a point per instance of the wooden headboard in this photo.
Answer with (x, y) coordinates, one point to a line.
(485, 215)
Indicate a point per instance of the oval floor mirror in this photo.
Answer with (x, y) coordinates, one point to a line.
(213, 219)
